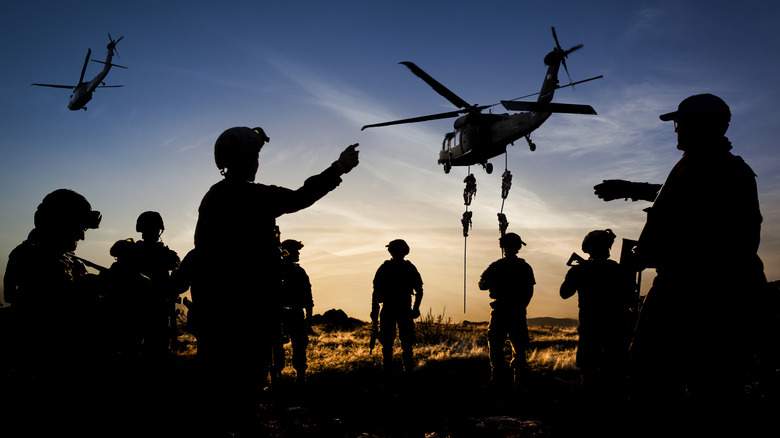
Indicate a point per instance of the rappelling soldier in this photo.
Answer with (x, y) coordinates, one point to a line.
(395, 283)
(510, 281)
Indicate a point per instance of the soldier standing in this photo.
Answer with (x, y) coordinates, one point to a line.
(156, 261)
(395, 282)
(606, 294)
(236, 291)
(297, 307)
(57, 335)
(698, 325)
(510, 281)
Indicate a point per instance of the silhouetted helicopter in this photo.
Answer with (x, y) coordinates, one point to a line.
(479, 137)
(82, 92)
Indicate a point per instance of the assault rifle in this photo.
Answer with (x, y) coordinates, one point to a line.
(575, 259)
(91, 265)
(630, 259)
(374, 335)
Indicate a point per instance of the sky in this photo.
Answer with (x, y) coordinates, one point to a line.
(313, 73)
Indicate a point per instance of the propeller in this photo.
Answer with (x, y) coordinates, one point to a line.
(564, 53)
(432, 116)
(84, 69)
(464, 106)
(558, 87)
(112, 45)
(438, 87)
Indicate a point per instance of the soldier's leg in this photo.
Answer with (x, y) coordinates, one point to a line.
(408, 338)
(300, 341)
(496, 340)
(387, 323)
(518, 336)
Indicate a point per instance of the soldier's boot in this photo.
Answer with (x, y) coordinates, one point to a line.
(500, 377)
(409, 364)
(300, 375)
(521, 378)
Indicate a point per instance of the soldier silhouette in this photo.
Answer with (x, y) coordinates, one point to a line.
(683, 350)
(129, 291)
(510, 281)
(56, 344)
(606, 295)
(236, 291)
(395, 282)
(156, 261)
(297, 306)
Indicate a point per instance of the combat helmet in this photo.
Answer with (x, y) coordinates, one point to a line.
(398, 246)
(598, 240)
(66, 209)
(292, 245)
(149, 221)
(511, 240)
(238, 144)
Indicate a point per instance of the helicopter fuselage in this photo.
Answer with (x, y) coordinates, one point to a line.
(479, 137)
(81, 95)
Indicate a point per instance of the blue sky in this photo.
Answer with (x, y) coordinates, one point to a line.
(312, 73)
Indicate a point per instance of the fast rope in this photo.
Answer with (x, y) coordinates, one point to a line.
(468, 194)
(506, 184)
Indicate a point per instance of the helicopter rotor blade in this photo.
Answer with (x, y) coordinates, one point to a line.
(416, 119)
(69, 87)
(558, 87)
(438, 87)
(567, 108)
(84, 69)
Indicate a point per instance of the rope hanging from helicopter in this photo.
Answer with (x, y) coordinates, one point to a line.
(506, 184)
(468, 194)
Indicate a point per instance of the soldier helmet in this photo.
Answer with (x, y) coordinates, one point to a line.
(598, 240)
(149, 220)
(292, 245)
(64, 208)
(121, 248)
(237, 145)
(511, 239)
(398, 246)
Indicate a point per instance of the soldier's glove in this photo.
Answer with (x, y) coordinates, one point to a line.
(611, 189)
(348, 158)
(415, 313)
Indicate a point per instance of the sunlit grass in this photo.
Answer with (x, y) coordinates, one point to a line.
(438, 340)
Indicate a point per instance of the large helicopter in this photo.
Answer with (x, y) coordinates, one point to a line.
(478, 137)
(82, 92)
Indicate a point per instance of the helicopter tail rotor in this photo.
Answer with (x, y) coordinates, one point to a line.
(112, 45)
(561, 54)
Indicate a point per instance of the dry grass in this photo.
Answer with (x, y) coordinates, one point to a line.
(438, 340)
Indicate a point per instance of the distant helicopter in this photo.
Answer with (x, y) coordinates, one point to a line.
(82, 92)
(479, 137)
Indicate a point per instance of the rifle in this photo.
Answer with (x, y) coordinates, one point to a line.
(575, 258)
(629, 259)
(91, 265)
(374, 335)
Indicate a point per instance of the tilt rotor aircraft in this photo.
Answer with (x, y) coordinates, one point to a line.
(479, 137)
(82, 92)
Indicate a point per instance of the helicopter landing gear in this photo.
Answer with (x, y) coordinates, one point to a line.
(531, 144)
(447, 166)
(488, 167)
